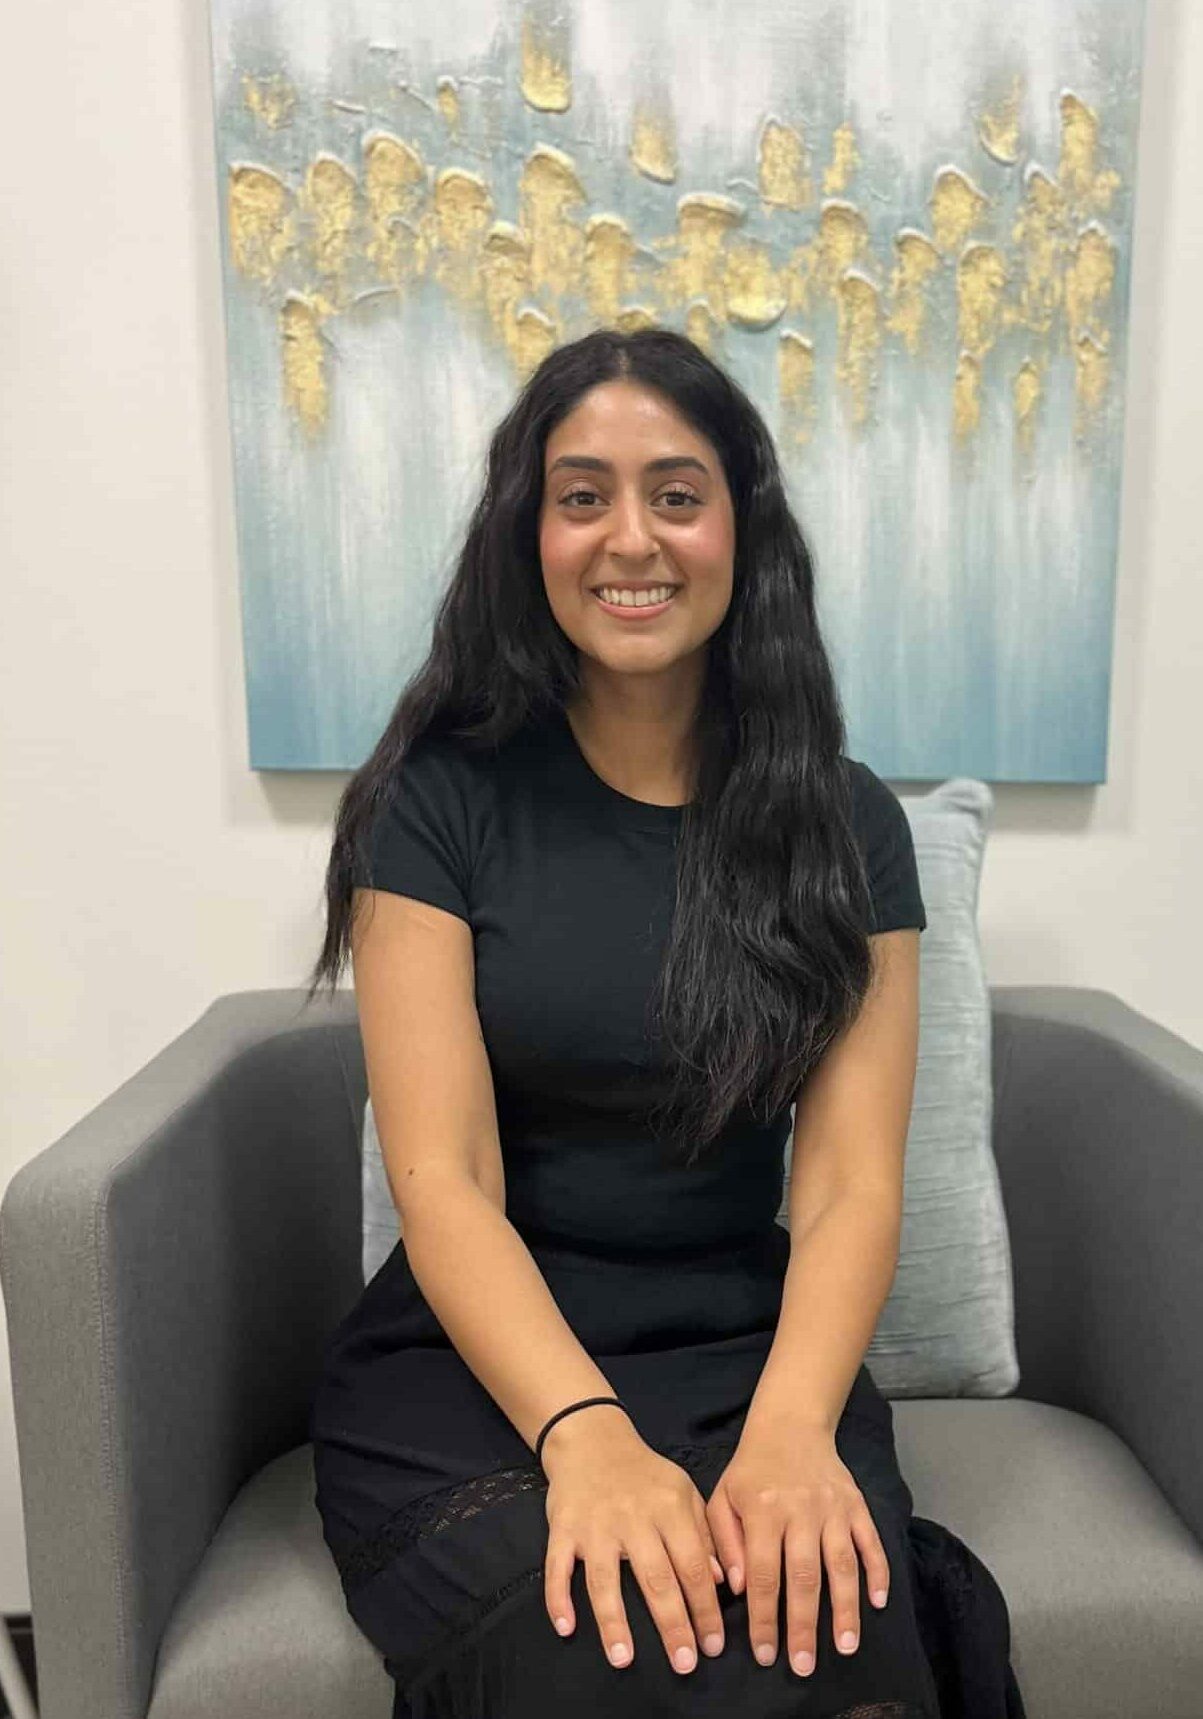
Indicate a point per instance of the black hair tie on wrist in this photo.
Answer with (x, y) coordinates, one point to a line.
(585, 1403)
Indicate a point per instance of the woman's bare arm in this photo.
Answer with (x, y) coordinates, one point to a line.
(433, 1100)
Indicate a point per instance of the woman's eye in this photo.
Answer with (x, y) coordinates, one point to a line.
(590, 495)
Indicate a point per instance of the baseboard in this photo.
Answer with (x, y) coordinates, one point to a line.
(20, 1629)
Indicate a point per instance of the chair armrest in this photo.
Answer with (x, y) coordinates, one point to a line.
(171, 1269)
(1098, 1132)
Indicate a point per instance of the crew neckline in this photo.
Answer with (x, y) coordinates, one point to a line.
(637, 814)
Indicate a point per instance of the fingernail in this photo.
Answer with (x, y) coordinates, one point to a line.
(847, 1641)
(712, 1644)
(685, 1659)
(735, 1576)
(563, 1625)
(619, 1653)
(878, 1596)
(804, 1663)
(766, 1653)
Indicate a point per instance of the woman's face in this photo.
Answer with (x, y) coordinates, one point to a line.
(612, 514)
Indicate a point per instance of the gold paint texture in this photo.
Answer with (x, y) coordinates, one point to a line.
(845, 158)
(1091, 375)
(609, 275)
(535, 335)
(956, 207)
(304, 367)
(916, 260)
(636, 316)
(1027, 390)
(408, 221)
(754, 288)
(271, 99)
(505, 282)
(394, 190)
(966, 396)
(1085, 186)
(840, 243)
(702, 327)
(329, 196)
(453, 232)
(998, 127)
(796, 386)
(858, 337)
(799, 278)
(781, 169)
(981, 277)
(1041, 232)
(447, 101)
(1088, 282)
(261, 222)
(653, 150)
(545, 74)
(697, 269)
(547, 191)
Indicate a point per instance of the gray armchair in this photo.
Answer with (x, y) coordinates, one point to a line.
(173, 1266)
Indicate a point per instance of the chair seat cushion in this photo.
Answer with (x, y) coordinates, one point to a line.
(1103, 1580)
(262, 1630)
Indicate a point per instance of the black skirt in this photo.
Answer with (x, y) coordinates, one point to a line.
(434, 1512)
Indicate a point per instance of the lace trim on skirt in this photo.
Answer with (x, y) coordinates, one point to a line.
(961, 1613)
(437, 1510)
(459, 1688)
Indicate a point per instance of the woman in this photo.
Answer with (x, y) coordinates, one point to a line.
(615, 898)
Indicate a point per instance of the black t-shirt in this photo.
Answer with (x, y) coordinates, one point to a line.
(568, 886)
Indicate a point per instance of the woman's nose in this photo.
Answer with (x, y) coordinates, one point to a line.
(630, 531)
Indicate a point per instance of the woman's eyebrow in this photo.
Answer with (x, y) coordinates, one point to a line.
(587, 462)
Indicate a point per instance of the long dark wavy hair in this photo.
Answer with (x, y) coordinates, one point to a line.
(768, 956)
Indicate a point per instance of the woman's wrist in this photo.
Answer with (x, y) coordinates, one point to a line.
(589, 1428)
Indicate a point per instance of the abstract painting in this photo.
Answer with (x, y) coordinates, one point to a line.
(905, 231)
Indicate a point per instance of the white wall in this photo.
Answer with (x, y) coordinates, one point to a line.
(145, 869)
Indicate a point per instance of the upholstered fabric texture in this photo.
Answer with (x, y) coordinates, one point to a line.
(947, 1328)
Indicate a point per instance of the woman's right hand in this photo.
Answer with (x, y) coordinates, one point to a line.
(611, 1496)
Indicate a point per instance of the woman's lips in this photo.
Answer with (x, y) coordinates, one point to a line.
(634, 611)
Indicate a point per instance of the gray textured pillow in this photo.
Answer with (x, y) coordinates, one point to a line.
(947, 1328)
(381, 1220)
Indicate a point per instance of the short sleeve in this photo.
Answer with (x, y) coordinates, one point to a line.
(884, 832)
(418, 841)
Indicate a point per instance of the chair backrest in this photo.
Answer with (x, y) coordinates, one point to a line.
(1015, 1038)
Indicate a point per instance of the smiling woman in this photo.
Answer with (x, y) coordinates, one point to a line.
(612, 888)
(648, 521)
(656, 519)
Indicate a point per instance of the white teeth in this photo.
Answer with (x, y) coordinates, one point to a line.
(636, 599)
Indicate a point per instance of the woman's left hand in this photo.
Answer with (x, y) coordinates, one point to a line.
(790, 1490)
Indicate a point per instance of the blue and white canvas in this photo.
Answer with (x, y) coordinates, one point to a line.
(905, 230)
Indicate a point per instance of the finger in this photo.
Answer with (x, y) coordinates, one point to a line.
(694, 1563)
(557, 1584)
(699, 1512)
(728, 1536)
(763, 1530)
(658, 1576)
(803, 1582)
(873, 1555)
(843, 1576)
(605, 1596)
